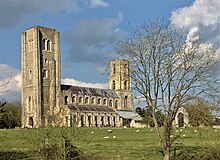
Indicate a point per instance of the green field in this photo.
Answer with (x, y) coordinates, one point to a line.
(127, 144)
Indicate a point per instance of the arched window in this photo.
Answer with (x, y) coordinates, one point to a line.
(43, 44)
(31, 122)
(82, 121)
(116, 104)
(110, 103)
(125, 85)
(125, 102)
(87, 100)
(113, 84)
(80, 100)
(93, 100)
(105, 102)
(89, 121)
(48, 45)
(99, 101)
(73, 99)
(65, 100)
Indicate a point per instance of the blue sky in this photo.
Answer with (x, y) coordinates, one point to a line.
(89, 29)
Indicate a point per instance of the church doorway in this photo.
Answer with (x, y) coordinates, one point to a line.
(181, 120)
(31, 122)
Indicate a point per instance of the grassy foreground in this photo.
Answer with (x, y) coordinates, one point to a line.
(120, 144)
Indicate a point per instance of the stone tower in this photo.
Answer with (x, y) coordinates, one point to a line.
(120, 81)
(40, 76)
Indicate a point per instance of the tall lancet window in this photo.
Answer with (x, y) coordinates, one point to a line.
(43, 44)
(126, 102)
(48, 45)
(113, 84)
(125, 85)
(114, 69)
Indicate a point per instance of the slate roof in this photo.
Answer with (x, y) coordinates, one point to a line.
(129, 115)
(89, 91)
(85, 108)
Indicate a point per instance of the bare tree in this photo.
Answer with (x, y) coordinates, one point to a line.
(168, 69)
(3, 85)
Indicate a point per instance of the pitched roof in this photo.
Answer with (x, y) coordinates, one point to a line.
(129, 115)
(90, 91)
(85, 108)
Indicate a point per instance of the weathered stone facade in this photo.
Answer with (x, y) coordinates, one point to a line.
(46, 102)
(40, 75)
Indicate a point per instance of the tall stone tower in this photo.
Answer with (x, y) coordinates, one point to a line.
(40, 76)
(120, 81)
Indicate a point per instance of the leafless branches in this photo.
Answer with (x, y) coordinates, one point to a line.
(168, 70)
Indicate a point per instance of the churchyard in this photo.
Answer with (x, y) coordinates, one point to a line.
(108, 143)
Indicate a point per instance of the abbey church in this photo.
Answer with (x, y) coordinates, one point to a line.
(45, 101)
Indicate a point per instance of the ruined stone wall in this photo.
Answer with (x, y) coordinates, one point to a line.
(40, 75)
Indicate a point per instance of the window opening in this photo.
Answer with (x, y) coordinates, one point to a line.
(87, 100)
(48, 45)
(80, 100)
(65, 100)
(99, 101)
(73, 99)
(113, 84)
(116, 104)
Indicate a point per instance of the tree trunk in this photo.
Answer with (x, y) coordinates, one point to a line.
(167, 154)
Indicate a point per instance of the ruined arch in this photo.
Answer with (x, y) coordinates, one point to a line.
(31, 122)
(181, 118)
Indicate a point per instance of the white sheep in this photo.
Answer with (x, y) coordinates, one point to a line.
(106, 137)
(137, 131)
(114, 137)
(109, 131)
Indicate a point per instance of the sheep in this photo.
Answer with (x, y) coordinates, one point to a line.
(137, 131)
(114, 137)
(92, 132)
(109, 131)
(106, 137)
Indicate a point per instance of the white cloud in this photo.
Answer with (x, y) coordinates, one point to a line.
(74, 82)
(202, 19)
(10, 83)
(98, 3)
(11, 77)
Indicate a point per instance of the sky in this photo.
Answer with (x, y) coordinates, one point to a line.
(89, 30)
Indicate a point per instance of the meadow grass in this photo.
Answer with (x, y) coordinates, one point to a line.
(126, 144)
